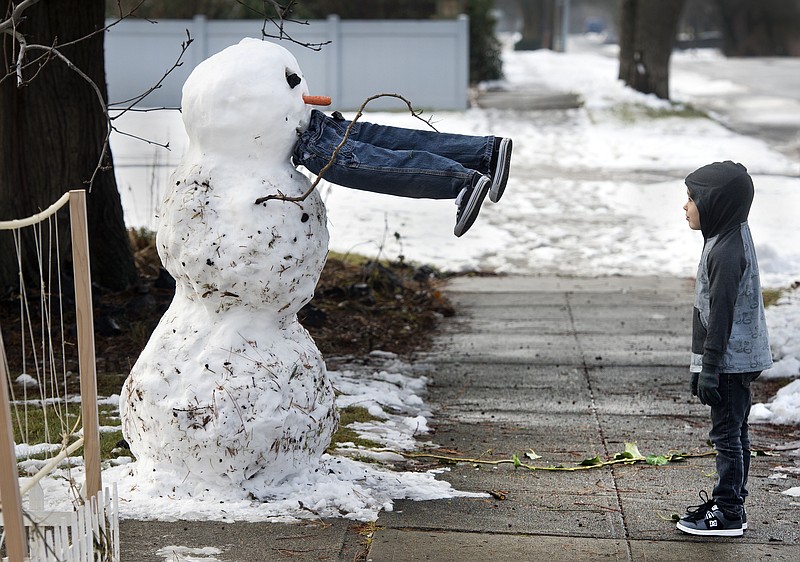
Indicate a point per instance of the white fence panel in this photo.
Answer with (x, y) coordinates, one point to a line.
(426, 61)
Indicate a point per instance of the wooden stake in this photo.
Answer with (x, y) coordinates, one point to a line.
(16, 543)
(86, 355)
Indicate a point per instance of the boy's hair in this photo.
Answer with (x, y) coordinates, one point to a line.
(723, 193)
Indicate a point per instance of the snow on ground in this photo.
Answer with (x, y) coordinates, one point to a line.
(593, 191)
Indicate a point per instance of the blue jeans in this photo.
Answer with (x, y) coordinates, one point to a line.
(393, 160)
(731, 438)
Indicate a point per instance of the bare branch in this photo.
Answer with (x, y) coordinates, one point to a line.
(54, 52)
(282, 13)
(25, 61)
(9, 27)
(123, 15)
(132, 102)
(143, 139)
(359, 114)
(16, 15)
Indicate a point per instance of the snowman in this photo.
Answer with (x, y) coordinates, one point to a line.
(230, 390)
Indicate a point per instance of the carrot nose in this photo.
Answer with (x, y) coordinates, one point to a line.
(317, 100)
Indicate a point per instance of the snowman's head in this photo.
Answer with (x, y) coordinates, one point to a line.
(246, 102)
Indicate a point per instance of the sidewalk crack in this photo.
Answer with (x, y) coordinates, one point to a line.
(598, 424)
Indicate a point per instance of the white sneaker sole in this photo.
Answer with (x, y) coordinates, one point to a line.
(710, 532)
(501, 174)
(473, 207)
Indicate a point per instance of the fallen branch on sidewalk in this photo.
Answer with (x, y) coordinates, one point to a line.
(631, 455)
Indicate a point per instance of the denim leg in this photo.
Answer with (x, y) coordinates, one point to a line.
(410, 172)
(472, 152)
(747, 378)
(730, 435)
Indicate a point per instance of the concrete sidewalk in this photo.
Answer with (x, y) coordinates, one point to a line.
(573, 368)
(569, 368)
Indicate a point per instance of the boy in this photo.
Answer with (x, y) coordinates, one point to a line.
(407, 162)
(730, 345)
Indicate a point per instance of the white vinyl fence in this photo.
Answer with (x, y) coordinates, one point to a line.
(425, 61)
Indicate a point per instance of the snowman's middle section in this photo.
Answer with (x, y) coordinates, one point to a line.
(230, 386)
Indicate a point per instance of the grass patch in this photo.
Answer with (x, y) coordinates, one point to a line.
(632, 112)
(344, 434)
(686, 111)
(771, 296)
(367, 533)
(36, 431)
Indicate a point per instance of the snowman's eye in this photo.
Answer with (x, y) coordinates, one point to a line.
(292, 79)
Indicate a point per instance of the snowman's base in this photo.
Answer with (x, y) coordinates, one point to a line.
(334, 487)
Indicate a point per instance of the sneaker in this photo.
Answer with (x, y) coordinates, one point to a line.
(707, 519)
(499, 166)
(469, 203)
(744, 519)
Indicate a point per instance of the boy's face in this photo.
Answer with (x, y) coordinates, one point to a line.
(692, 214)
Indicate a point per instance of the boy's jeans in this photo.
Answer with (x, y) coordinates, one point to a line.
(393, 160)
(731, 438)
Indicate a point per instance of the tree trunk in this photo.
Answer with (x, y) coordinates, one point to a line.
(52, 131)
(647, 32)
(766, 28)
(537, 25)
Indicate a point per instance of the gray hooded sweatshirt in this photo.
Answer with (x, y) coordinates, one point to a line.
(729, 330)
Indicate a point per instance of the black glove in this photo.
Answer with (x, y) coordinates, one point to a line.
(708, 388)
(695, 376)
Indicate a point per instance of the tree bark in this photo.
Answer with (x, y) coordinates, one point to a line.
(647, 33)
(537, 25)
(52, 131)
(766, 28)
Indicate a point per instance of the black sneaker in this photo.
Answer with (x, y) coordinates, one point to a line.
(499, 167)
(707, 519)
(744, 519)
(469, 204)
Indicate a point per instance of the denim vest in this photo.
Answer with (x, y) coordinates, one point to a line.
(748, 345)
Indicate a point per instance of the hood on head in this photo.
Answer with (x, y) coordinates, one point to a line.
(723, 193)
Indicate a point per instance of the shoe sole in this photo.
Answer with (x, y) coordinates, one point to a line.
(473, 207)
(711, 532)
(501, 174)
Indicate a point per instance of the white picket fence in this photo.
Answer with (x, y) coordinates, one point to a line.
(89, 533)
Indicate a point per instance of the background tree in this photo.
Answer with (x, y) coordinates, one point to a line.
(53, 130)
(761, 29)
(485, 61)
(646, 35)
(537, 24)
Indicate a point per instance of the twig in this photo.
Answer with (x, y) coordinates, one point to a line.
(518, 464)
(282, 12)
(132, 102)
(16, 15)
(8, 26)
(359, 114)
